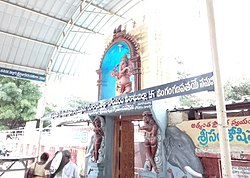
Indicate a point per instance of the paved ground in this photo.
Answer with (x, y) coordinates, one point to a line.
(16, 174)
(13, 174)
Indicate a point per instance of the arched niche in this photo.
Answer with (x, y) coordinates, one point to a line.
(122, 43)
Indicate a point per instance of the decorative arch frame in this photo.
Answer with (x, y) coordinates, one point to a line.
(134, 47)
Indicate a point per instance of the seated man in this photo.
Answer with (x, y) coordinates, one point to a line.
(66, 169)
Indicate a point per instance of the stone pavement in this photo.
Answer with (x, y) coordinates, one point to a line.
(13, 174)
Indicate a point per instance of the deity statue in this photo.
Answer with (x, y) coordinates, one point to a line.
(123, 84)
(150, 141)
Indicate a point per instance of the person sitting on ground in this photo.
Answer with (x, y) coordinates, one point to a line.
(37, 168)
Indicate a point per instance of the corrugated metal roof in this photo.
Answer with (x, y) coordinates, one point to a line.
(57, 36)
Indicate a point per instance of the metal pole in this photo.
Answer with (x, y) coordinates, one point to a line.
(41, 110)
(40, 137)
(220, 103)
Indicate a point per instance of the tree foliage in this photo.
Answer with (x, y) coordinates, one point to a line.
(189, 100)
(73, 102)
(49, 108)
(18, 102)
(186, 100)
(232, 90)
(237, 91)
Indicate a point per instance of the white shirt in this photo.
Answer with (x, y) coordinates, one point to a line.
(70, 170)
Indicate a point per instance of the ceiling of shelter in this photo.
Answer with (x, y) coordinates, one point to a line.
(57, 36)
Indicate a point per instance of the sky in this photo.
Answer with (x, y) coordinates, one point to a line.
(186, 36)
(234, 37)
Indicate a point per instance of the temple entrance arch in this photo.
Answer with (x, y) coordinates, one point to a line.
(120, 111)
(122, 44)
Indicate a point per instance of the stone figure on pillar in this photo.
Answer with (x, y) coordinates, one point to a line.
(88, 155)
(151, 129)
(94, 156)
(98, 136)
(123, 84)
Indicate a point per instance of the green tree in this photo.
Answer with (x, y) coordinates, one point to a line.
(49, 108)
(74, 101)
(18, 102)
(237, 91)
(185, 100)
(190, 100)
(71, 103)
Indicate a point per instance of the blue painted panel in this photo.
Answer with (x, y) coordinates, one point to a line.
(111, 59)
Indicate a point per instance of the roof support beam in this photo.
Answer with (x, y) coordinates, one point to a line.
(65, 32)
(93, 12)
(75, 31)
(27, 39)
(105, 10)
(20, 67)
(46, 15)
(71, 52)
(37, 41)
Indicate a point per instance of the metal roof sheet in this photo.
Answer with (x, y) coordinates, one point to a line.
(57, 36)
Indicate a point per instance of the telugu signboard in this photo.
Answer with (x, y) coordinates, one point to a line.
(142, 99)
(240, 169)
(204, 133)
(22, 74)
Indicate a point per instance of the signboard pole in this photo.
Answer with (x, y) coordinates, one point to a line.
(40, 113)
(220, 103)
(39, 139)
